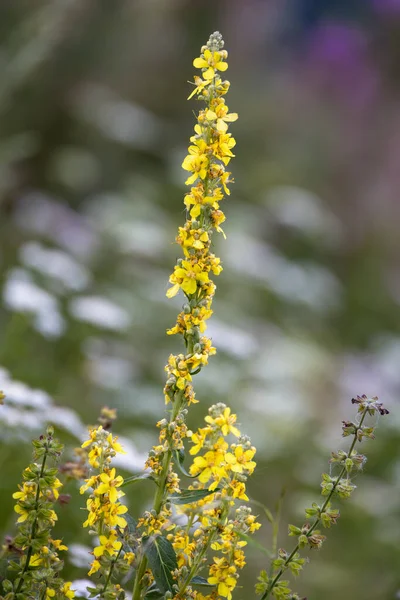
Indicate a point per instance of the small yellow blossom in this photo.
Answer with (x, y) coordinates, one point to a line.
(66, 590)
(226, 422)
(109, 485)
(211, 61)
(221, 574)
(111, 545)
(240, 460)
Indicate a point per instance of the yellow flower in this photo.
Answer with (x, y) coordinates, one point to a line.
(110, 545)
(24, 512)
(240, 460)
(27, 491)
(92, 436)
(238, 490)
(196, 161)
(109, 484)
(221, 116)
(57, 484)
(112, 516)
(200, 85)
(198, 439)
(211, 61)
(58, 545)
(226, 422)
(129, 557)
(36, 560)
(89, 483)
(95, 566)
(50, 593)
(186, 277)
(208, 466)
(116, 446)
(66, 590)
(221, 574)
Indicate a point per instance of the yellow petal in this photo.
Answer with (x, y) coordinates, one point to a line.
(221, 66)
(231, 117)
(209, 74)
(173, 291)
(211, 115)
(200, 63)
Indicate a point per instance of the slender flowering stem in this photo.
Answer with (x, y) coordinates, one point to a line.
(113, 561)
(34, 523)
(209, 153)
(317, 520)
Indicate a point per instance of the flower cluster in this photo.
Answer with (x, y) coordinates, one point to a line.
(222, 470)
(105, 511)
(209, 154)
(37, 572)
(194, 536)
(340, 485)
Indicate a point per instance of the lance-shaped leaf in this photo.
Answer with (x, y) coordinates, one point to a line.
(179, 458)
(189, 496)
(162, 560)
(198, 580)
(137, 477)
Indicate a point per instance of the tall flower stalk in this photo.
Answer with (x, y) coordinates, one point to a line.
(195, 536)
(209, 154)
(37, 572)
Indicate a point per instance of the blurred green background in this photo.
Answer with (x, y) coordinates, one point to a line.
(94, 125)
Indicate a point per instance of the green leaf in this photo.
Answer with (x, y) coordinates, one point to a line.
(179, 457)
(198, 580)
(252, 542)
(131, 523)
(137, 477)
(153, 593)
(162, 560)
(189, 496)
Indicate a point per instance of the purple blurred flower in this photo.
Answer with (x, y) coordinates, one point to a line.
(387, 7)
(338, 54)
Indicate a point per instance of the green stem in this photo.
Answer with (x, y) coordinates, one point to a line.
(114, 560)
(317, 521)
(197, 562)
(158, 500)
(34, 526)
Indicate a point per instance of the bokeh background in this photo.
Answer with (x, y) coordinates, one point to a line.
(94, 125)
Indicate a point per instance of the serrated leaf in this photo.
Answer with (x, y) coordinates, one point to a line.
(137, 477)
(162, 560)
(189, 496)
(179, 458)
(198, 580)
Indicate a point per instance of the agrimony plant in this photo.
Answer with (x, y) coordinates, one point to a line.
(190, 544)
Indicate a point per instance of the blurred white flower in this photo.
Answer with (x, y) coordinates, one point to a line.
(100, 311)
